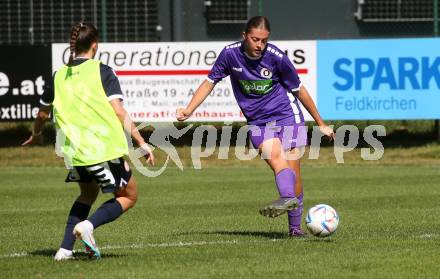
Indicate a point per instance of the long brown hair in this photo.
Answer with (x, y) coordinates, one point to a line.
(82, 36)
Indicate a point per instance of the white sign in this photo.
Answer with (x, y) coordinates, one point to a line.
(158, 78)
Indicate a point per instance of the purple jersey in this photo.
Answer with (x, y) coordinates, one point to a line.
(261, 86)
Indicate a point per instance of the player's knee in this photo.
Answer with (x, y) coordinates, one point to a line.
(132, 194)
(131, 200)
(128, 195)
(129, 204)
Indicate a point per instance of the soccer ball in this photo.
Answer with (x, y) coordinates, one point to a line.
(322, 220)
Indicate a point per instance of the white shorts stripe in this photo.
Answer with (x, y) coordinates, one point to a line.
(295, 108)
(93, 168)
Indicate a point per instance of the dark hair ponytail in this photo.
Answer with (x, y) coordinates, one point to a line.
(82, 36)
(73, 37)
(257, 22)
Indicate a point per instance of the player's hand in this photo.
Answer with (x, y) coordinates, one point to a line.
(182, 114)
(149, 156)
(33, 139)
(327, 131)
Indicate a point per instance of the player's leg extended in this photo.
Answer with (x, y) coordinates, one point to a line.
(109, 211)
(295, 216)
(285, 177)
(79, 212)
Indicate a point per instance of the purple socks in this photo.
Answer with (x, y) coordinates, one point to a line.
(296, 215)
(286, 180)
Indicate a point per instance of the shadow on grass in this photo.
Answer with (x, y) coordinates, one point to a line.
(44, 252)
(276, 235)
(270, 235)
(261, 234)
(319, 239)
(50, 253)
(264, 234)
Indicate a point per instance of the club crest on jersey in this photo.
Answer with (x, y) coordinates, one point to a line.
(266, 73)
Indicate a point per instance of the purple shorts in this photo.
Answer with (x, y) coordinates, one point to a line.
(291, 134)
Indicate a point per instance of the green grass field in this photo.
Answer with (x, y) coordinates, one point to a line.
(205, 223)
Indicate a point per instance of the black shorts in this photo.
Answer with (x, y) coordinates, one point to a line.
(110, 175)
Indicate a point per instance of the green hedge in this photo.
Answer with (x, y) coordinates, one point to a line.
(399, 133)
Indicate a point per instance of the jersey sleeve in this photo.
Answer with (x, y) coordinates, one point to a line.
(289, 75)
(220, 69)
(110, 83)
(48, 93)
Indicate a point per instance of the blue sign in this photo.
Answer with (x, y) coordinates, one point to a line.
(379, 79)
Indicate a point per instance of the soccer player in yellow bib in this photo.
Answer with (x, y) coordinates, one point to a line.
(90, 121)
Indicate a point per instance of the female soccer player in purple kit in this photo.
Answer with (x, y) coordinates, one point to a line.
(267, 89)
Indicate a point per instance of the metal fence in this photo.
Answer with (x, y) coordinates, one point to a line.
(227, 11)
(39, 22)
(395, 10)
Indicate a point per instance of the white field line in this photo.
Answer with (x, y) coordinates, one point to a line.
(429, 236)
(155, 245)
(185, 244)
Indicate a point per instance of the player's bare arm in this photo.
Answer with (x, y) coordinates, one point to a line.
(307, 101)
(37, 127)
(130, 128)
(199, 96)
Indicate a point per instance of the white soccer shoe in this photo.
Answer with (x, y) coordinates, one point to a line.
(63, 255)
(84, 231)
